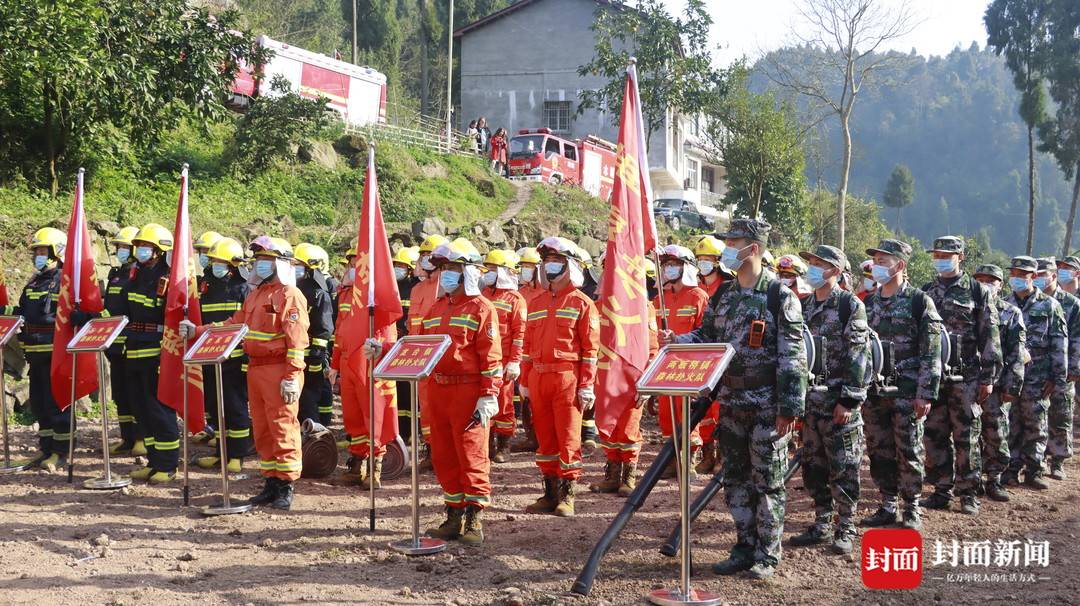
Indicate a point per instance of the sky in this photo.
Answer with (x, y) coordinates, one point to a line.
(752, 27)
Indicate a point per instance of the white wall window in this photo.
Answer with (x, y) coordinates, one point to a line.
(557, 116)
(691, 174)
(708, 178)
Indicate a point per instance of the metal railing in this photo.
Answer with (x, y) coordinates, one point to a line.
(407, 126)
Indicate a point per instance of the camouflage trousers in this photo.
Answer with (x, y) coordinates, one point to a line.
(1059, 444)
(831, 455)
(1028, 431)
(995, 436)
(952, 439)
(755, 462)
(895, 445)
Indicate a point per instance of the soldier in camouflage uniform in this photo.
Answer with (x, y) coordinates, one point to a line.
(995, 414)
(954, 424)
(761, 394)
(894, 420)
(1060, 415)
(1047, 341)
(832, 430)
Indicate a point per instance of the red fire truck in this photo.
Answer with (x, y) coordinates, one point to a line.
(537, 155)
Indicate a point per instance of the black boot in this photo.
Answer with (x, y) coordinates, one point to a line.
(268, 494)
(283, 498)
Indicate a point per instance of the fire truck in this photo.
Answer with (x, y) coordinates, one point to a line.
(535, 154)
(358, 94)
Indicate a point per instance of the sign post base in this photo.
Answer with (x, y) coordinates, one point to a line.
(421, 546)
(675, 597)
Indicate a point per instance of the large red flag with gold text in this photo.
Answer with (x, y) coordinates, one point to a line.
(78, 289)
(624, 304)
(181, 301)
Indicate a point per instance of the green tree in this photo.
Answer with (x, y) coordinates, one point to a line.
(273, 126)
(70, 68)
(899, 191)
(1017, 29)
(674, 65)
(865, 228)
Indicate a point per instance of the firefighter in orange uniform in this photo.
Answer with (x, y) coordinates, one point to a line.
(529, 287)
(277, 320)
(421, 299)
(463, 390)
(684, 306)
(711, 273)
(500, 283)
(562, 337)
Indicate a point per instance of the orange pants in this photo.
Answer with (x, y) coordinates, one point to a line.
(708, 425)
(277, 432)
(355, 409)
(503, 423)
(664, 404)
(460, 456)
(624, 443)
(557, 422)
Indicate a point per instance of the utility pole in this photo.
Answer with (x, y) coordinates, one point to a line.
(450, 79)
(353, 3)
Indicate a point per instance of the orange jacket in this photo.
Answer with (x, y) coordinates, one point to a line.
(562, 327)
(684, 308)
(511, 307)
(277, 320)
(475, 352)
(710, 289)
(530, 291)
(422, 297)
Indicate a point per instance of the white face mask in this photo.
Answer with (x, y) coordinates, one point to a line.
(706, 267)
(350, 275)
(425, 263)
(789, 282)
(489, 278)
(527, 274)
(399, 273)
(868, 284)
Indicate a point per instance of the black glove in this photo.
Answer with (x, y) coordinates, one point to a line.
(80, 318)
(316, 353)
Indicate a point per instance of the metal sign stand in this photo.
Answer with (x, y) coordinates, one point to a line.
(417, 545)
(80, 343)
(652, 383)
(193, 357)
(10, 327)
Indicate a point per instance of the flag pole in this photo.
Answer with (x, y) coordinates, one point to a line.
(371, 335)
(184, 371)
(75, 356)
(660, 291)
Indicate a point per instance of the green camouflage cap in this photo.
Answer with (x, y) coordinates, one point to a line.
(1070, 261)
(751, 229)
(892, 247)
(948, 244)
(1046, 263)
(992, 271)
(829, 254)
(1025, 263)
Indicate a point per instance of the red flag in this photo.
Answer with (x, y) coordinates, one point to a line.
(181, 301)
(624, 304)
(78, 289)
(374, 288)
(3, 289)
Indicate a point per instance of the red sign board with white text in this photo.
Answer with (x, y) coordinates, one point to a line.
(215, 345)
(97, 334)
(412, 358)
(686, 369)
(9, 327)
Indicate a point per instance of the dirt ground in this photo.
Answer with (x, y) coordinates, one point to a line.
(65, 545)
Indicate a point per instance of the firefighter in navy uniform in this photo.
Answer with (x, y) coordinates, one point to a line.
(404, 263)
(131, 436)
(37, 306)
(309, 262)
(222, 290)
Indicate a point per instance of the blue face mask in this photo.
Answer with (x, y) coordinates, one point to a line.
(143, 254)
(815, 276)
(40, 261)
(882, 273)
(399, 273)
(489, 278)
(220, 270)
(672, 272)
(449, 280)
(527, 274)
(203, 260)
(299, 270)
(1065, 275)
(553, 269)
(1019, 284)
(122, 255)
(1041, 282)
(731, 259)
(264, 268)
(944, 266)
(706, 267)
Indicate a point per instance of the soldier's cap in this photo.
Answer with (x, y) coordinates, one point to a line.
(829, 254)
(1046, 263)
(1024, 263)
(948, 244)
(992, 271)
(1070, 261)
(892, 247)
(751, 229)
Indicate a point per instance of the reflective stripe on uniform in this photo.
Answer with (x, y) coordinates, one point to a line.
(453, 498)
(479, 499)
(134, 354)
(227, 306)
(167, 445)
(502, 305)
(294, 354)
(41, 348)
(469, 322)
(319, 343)
(492, 372)
(432, 322)
(568, 313)
(255, 335)
(537, 315)
(238, 433)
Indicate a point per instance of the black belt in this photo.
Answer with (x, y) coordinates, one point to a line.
(38, 328)
(145, 327)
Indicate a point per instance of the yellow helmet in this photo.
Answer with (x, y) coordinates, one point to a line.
(650, 268)
(207, 240)
(274, 247)
(152, 233)
(768, 260)
(125, 236)
(407, 255)
(791, 263)
(502, 258)
(227, 250)
(52, 238)
(586, 258)
(458, 251)
(709, 245)
(311, 256)
(432, 242)
(528, 255)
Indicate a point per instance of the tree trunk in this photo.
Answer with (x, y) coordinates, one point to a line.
(50, 134)
(1072, 214)
(425, 60)
(1031, 190)
(845, 170)
(760, 187)
(899, 225)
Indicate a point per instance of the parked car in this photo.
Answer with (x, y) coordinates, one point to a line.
(684, 214)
